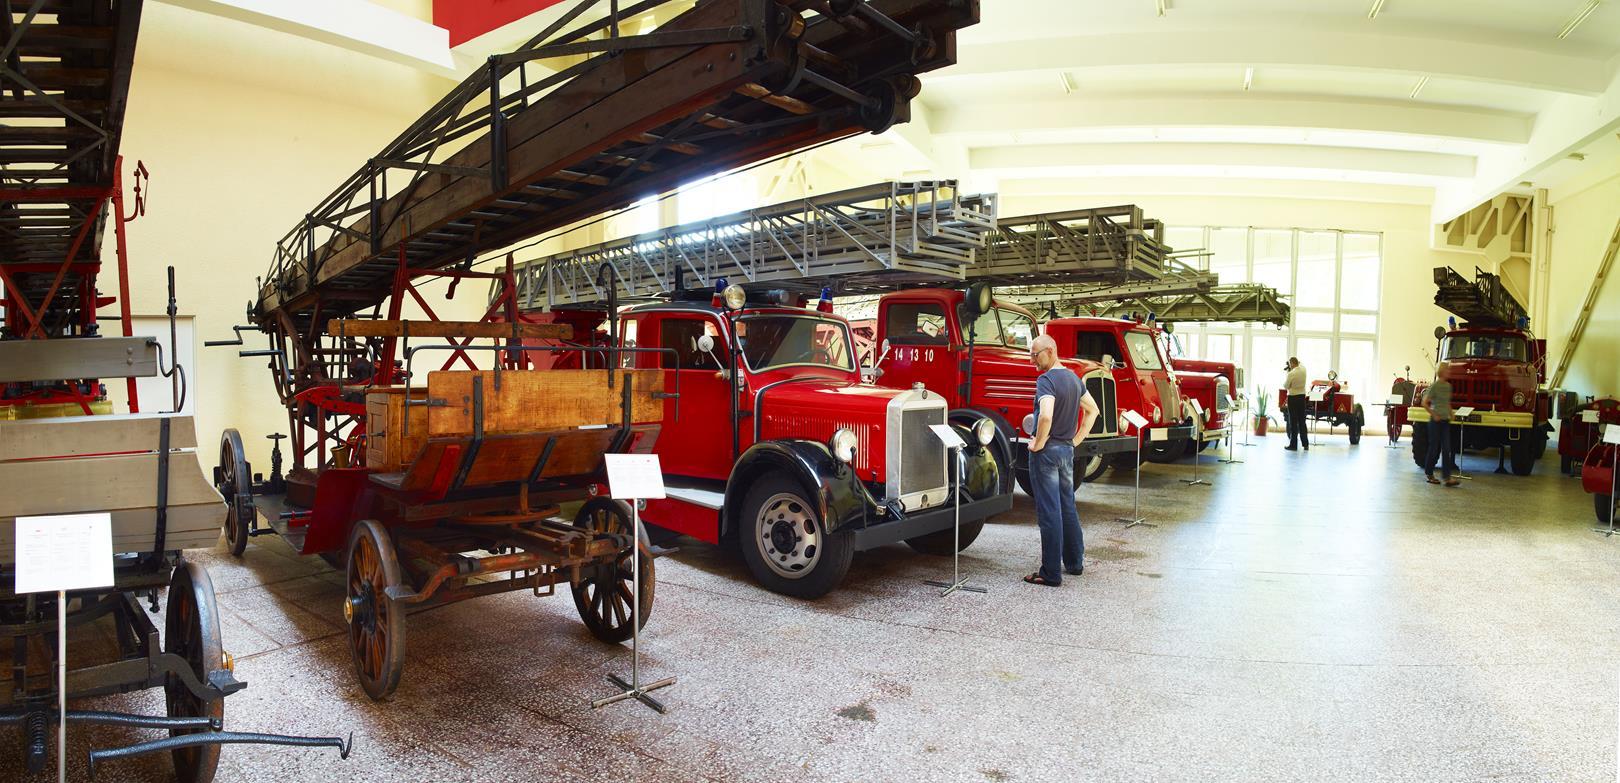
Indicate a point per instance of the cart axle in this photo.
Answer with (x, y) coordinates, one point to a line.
(219, 738)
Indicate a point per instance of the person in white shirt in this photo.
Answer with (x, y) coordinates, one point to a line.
(1295, 414)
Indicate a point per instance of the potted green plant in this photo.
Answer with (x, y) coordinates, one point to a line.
(1262, 407)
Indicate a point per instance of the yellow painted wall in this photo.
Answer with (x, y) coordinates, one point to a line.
(1583, 221)
(244, 131)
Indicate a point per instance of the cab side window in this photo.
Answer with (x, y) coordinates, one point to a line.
(1092, 346)
(681, 334)
(916, 324)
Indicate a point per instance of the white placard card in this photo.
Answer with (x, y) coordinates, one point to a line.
(1316, 394)
(1465, 411)
(1395, 399)
(64, 552)
(1135, 419)
(634, 476)
(1198, 408)
(1589, 416)
(947, 435)
(1611, 434)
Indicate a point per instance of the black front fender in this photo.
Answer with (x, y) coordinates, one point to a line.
(1000, 450)
(840, 497)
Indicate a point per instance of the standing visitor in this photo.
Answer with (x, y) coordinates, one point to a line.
(1295, 387)
(1064, 413)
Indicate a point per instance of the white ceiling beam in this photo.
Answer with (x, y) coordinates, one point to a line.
(1112, 189)
(356, 25)
(1262, 44)
(1246, 111)
(1193, 159)
(1566, 126)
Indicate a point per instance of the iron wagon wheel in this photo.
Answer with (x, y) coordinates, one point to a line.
(191, 631)
(236, 486)
(376, 624)
(785, 544)
(1357, 421)
(602, 593)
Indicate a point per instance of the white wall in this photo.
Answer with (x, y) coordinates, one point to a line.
(1583, 219)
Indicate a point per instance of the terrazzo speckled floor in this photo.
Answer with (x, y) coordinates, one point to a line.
(1323, 617)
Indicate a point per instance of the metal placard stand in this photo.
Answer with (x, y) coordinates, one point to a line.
(1462, 437)
(57, 554)
(1231, 436)
(1392, 434)
(953, 445)
(1198, 434)
(1136, 517)
(633, 478)
(1611, 436)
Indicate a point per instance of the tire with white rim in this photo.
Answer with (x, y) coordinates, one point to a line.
(785, 544)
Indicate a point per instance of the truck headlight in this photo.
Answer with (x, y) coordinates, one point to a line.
(1518, 399)
(842, 445)
(985, 431)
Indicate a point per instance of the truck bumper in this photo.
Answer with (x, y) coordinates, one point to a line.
(1511, 420)
(933, 520)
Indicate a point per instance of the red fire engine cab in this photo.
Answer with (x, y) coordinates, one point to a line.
(1211, 383)
(1495, 366)
(782, 450)
(1145, 381)
(974, 350)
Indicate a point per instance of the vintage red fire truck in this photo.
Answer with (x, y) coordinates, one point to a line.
(974, 350)
(1495, 366)
(1496, 371)
(1330, 401)
(1212, 384)
(797, 461)
(1145, 382)
(1581, 447)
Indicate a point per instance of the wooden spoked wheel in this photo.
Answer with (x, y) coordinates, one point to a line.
(191, 630)
(376, 623)
(602, 594)
(234, 483)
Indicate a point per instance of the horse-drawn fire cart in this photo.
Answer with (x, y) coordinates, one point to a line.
(426, 489)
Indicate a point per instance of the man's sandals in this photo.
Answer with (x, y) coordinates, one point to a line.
(1037, 579)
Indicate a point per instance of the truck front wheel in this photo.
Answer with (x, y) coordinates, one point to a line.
(785, 545)
(1089, 469)
(1523, 455)
(1420, 442)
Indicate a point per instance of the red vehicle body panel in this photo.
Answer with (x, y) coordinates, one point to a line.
(1198, 382)
(1139, 388)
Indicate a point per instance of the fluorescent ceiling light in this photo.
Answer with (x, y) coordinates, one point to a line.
(1421, 82)
(1579, 17)
(1163, 6)
(1068, 83)
(1248, 78)
(1378, 5)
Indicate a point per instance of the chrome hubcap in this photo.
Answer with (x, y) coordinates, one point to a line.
(788, 536)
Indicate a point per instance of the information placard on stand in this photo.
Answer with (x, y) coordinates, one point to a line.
(1231, 434)
(1135, 420)
(1459, 419)
(1198, 440)
(952, 440)
(57, 554)
(634, 478)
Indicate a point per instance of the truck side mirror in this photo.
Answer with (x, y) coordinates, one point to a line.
(1108, 361)
(705, 343)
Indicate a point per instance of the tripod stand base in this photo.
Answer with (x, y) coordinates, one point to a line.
(629, 691)
(1230, 461)
(951, 587)
(1131, 522)
(1192, 482)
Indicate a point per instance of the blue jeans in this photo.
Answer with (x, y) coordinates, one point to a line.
(1051, 475)
(1439, 443)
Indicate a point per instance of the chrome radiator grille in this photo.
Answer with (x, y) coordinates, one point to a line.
(921, 458)
(1102, 391)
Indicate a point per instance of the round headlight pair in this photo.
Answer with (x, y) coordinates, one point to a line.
(842, 445)
(985, 431)
(1518, 399)
(734, 297)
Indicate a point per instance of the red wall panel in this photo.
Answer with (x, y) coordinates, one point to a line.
(468, 19)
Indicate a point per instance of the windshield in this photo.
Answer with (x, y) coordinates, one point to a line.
(1144, 354)
(1001, 326)
(770, 341)
(1485, 346)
